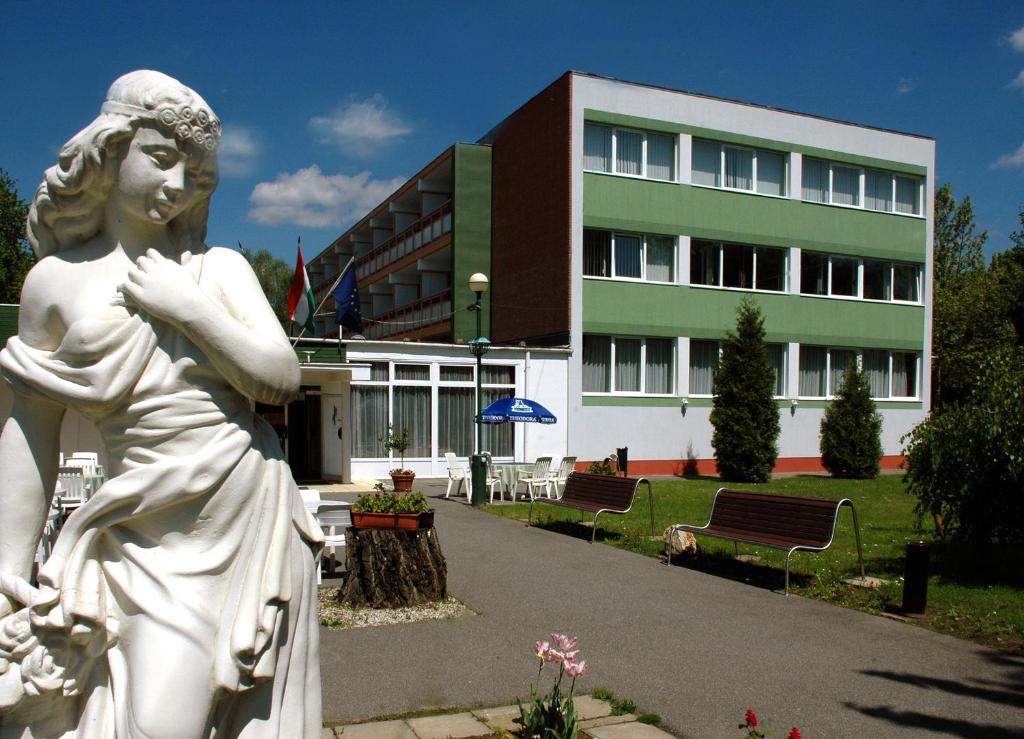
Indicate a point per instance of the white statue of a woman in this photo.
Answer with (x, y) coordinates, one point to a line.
(180, 600)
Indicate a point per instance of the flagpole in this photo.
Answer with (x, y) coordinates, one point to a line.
(321, 305)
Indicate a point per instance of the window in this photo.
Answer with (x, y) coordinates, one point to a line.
(739, 265)
(889, 374)
(620, 364)
(737, 168)
(869, 279)
(628, 256)
(629, 152)
(840, 184)
(703, 363)
(777, 361)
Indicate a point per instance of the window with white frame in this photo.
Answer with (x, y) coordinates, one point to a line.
(738, 168)
(629, 152)
(872, 189)
(627, 364)
(890, 374)
(628, 256)
(737, 265)
(852, 277)
(704, 355)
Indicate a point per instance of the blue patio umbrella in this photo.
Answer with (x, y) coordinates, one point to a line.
(517, 410)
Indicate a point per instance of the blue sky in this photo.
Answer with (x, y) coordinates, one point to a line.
(328, 106)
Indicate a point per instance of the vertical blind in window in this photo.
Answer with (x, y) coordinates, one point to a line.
(839, 360)
(706, 163)
(497, 438)
(628, 256)
(661, 157)
(703, 362)
(739, 168)
(876, 367)
(812, 371)
(907, 195)
(877, 190)
(597, 148)
(845, 185)
(777, 361)
(412, 413)
(815, 180)
(658, 366)
(597, 253)
(627, 365)
(369, 418)
(660, 258)
(455, 411)
(628, 152)
(771, 173)
(596, 364)
(904, 375)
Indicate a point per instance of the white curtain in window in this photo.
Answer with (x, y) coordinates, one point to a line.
(596, 364)
(812, 371)
(658, 366)
(907, 191)
(628, 256)
(627, 365)
(904, 375)
(498, 438)
(739, 168)
(412, 413)
(369, 419)
(706, 163)
(777, 361)
(815, 180)
(703, 362)
(771, 173)
(456, 408)
(628, 152)
(498, 374)
(660, 254)
(597, 253)
(845, 185)
(412, 372)
(877, 190)
(661, 157)
(597, 148)
(839, 360)
(876, 367)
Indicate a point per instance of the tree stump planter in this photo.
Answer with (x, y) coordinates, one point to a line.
(392, 568)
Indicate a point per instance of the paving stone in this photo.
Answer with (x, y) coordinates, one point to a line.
(503, 717)
(588, 707)
(453, 725)
(377, 730)
(607, 721)
(627, 731)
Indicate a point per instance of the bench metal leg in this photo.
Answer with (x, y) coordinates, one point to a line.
(856, 533)
(788, 554)
(594, 532)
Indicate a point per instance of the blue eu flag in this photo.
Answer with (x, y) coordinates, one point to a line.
(346, 295)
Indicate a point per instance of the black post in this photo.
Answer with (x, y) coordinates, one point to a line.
(477, 464)
(915, 577)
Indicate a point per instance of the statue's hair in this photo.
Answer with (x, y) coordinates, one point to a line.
(68, 207)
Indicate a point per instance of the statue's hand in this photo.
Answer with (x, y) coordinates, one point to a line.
(162, 287)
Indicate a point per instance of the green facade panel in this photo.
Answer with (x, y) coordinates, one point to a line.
(471, 235)
(638, 309)
(628, 204)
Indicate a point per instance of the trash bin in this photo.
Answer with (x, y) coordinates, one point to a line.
(915, 577)
(623, 455)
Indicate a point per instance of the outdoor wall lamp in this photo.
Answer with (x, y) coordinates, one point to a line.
(792, 406)
(683, 404)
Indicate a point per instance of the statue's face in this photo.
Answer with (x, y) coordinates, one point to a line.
(159, 177)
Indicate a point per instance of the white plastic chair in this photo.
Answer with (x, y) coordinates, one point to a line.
(334, 518)
(73, 482)
(310, 498)
(539, 477)
(557, 479)
(49, 536)
(492, 479)
(457, 473)
(93, 457)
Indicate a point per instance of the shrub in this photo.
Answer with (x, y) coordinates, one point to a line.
(965, 463)
(745, 415)
(850, 430)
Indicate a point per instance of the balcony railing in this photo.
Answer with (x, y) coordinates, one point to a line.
(411, 317)
(426, 230)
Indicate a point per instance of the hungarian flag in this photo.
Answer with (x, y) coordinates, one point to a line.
(300, 296)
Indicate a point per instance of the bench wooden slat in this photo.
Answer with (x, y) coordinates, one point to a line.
(599, 494)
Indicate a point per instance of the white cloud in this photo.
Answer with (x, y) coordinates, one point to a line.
(312, 199)
(905, 85)
(1008, 161)
(238, 151)
(1016, 39)
(1018, 81)
(360, 127)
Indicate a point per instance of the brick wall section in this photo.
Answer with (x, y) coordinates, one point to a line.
(530, 235)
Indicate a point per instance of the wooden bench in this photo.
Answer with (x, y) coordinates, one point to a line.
(599, 494)
(779, 521)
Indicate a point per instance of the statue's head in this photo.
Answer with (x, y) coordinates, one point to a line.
(69, 205)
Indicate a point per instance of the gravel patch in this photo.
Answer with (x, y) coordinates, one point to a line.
(333, 615)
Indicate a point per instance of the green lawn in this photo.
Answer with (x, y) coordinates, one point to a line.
(977, 595)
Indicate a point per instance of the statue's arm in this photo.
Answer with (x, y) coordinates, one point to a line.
(29, 445)
(229, 319)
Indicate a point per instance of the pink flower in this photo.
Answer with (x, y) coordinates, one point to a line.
(564, 642)
(541, 649)
(571, 656)
(578, 669)
(751, 718)
(554, 655)
(794, 733)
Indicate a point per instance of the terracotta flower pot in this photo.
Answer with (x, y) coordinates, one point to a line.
(402, 481)
(403, 521)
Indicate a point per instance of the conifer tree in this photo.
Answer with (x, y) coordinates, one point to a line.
(850, 429)
(745, 416)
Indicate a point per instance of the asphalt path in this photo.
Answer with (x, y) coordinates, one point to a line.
(696, 649)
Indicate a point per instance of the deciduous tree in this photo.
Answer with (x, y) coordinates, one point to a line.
(275, 277)
(16, 257)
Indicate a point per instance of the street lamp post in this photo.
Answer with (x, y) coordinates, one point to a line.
(478, 347)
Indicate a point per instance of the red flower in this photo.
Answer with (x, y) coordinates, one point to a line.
(794, 733)
(752, 718)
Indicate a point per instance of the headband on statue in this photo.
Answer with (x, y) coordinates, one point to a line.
(198, 126)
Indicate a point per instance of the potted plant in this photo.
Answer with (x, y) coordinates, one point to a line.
(401, 478)
(384, 509)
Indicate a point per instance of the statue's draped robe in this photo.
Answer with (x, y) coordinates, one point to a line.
(200, 529)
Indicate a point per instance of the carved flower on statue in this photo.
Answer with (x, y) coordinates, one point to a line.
(168, 117)
(198, 136)
(215, 127)
(44, 670)
(202, 118)
(184, 131)
(186, 113)
(16, 636)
